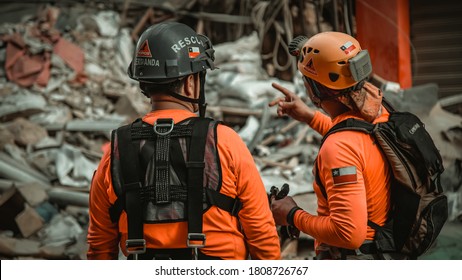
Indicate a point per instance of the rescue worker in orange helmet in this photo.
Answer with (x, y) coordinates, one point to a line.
(175, 185)
(352, 175)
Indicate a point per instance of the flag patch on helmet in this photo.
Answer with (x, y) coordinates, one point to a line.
(344, 175)
(348, 47)
(144, 50)
(193, 52)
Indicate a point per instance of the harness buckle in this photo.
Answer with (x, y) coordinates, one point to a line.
(163, 123)
(135, 246)
(195, 237)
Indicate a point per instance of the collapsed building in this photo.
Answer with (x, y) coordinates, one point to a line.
(63, 88)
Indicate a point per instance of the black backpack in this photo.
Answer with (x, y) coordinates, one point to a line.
(419, 208)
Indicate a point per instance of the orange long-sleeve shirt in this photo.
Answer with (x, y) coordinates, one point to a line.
(240, 178)
(342, 218)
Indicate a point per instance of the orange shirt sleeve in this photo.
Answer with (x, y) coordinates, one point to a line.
(321, 123)
(255, 217)
(342, 220)
(103, 235)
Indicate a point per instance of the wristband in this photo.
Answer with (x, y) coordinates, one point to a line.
(291, 214)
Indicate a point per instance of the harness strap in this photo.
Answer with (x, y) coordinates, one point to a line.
(146, 132)
(195, 166)
(177, 161)
(162, 128)
(129, 159)
(222, 201)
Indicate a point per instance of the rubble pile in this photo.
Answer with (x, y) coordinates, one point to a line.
(61, 94)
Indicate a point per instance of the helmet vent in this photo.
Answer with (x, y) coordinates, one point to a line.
(307, 50)
(341, 62)
(333, 76)
(316, 51)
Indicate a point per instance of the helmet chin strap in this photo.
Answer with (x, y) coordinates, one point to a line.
(202, 103)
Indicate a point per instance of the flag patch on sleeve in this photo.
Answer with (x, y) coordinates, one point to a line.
(344, 175)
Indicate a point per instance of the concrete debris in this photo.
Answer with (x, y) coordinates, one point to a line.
(25, 132)
(20, 102)
(63, 229)
(64, 88)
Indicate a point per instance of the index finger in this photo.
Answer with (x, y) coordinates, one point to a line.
(282, 89)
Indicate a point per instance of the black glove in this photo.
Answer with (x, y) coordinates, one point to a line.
(286, 231)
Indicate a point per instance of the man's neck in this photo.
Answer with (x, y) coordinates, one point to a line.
(165, 104)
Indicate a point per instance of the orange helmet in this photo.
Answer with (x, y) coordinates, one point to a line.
(333, 59)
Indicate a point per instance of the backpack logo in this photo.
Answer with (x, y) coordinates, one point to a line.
(144, 50)
(414, 128)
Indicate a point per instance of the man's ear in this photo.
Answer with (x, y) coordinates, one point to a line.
(189, 86)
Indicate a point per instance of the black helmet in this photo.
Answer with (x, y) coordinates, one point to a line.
(168, 51)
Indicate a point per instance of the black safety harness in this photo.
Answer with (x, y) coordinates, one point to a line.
(141, 151)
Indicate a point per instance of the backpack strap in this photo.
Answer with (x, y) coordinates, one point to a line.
(350, 124)
(387, 105)
(129, 151)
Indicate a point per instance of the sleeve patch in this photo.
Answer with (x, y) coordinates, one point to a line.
(344, 175)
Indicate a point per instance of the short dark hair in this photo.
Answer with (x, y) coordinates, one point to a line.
(149, 89)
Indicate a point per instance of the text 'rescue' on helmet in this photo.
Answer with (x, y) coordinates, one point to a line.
(333, 59)
(168, 51)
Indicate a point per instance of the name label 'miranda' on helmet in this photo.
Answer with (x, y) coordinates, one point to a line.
(147, 61)
(186, 41)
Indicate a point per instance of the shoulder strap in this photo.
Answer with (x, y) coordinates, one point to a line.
(388, 105)
(222, 201)
(129, 152)
(348, 124)
(195, 165)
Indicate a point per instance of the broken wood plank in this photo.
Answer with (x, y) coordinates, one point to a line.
(237, 111)
(286, 152)
(141, 23)
(86, 125)
(283, 130)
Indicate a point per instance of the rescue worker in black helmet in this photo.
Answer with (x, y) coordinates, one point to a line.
(175, 185)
